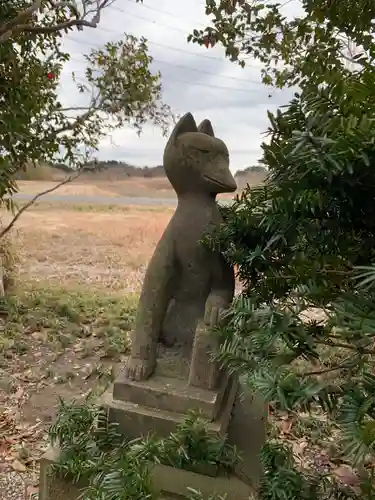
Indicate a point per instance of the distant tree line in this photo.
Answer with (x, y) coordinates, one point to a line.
(148, 172)
(114, 169)
(257, 169)
(125, 169)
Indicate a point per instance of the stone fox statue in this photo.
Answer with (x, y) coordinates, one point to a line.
(185, 282)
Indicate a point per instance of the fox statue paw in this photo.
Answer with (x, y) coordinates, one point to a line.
(139, 369)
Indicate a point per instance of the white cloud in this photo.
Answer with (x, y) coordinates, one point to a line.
(194, 79)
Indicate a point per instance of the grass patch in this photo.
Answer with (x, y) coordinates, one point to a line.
(96, 207)
(60, 317)
(87, 207)
(9, 255)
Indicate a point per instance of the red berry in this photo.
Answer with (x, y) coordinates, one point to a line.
(50, 76)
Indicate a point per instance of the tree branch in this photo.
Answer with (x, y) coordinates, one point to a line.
(33, 200)
(341, 366)
(19, 23)
(22, 17)
(57, 27)
(95, 105)
(349, 59)
(354, 347)
(74, 108)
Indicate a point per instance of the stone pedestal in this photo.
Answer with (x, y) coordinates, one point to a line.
(168, 483)
(157, 405)
(52, 487)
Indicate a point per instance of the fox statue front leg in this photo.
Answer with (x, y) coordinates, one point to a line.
(153, 302)
(204, 372)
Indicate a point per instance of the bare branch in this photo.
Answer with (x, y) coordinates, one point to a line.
(95, 105)
(350, 59)
(33, 200)
(20, 22)
(341, 366)
(74, 108)
(57, 27)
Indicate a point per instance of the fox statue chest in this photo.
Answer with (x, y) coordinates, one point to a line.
(195, 266)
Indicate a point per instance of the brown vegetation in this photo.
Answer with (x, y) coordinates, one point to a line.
(103, 249)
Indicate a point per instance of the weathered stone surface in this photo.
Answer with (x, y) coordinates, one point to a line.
(247, 431)
(52, 488)
(185, 281)
(162, 393)
(177, 481)
(168, 483)
(135, 420)
(204, 372)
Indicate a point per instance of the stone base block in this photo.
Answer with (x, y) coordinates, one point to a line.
(52, 488)
(169, 483)
(169, 394)
(177, 481)
(135, 420)
(247, 431)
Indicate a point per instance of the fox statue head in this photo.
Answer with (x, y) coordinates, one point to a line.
(195, 161)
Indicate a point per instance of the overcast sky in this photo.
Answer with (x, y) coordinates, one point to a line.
(194, 79)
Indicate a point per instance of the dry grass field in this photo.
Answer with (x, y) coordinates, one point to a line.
(135, 187)
(102, 247)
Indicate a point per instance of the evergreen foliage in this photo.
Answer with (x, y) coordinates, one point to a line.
(304, 241)
(107, 466)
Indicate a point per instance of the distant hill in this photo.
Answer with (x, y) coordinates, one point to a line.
(102, 171)
(113, 170)
(250, 175)
(257, 170)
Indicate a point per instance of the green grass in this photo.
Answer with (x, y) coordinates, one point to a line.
(96, 208)
(62, 317)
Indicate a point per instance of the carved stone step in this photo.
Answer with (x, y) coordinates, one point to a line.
(137, 420)
(169, 394)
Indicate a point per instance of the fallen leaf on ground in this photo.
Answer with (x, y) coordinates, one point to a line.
(19, 393)
(18, 466)
(346, 475)
(32, 490)
(299, 448)
(286, 425)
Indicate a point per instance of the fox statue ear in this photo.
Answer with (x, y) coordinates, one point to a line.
(184, 124)
(206, 128)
